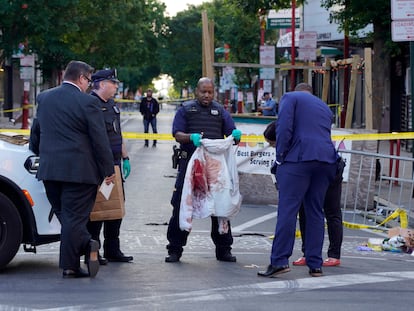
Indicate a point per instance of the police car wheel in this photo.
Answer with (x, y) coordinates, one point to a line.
(11, 230)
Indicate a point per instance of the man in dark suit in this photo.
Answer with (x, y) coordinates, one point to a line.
(70, 137)
(306, 161)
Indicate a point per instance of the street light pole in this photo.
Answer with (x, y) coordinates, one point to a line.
(262, 36)
(25, 106)
(292, 50)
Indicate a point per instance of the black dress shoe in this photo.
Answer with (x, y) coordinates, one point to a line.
(228, 257)
(102, 260)
(91, 258)
(120, 258)
(79, 273)
(315, 272)
(273, 271)
(173, 257)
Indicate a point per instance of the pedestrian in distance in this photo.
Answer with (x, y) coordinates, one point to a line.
(307, 159)
(196, 119)
(105, 85)
(149, 109)
(70, 138)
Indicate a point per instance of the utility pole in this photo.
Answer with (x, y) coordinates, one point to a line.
(292, 50)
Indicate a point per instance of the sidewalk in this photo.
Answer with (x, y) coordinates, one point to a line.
(6, 124)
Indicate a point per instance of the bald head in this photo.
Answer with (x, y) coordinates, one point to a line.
(204, 80)
(205, 91)
(304, 87)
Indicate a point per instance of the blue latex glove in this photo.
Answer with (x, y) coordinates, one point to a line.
(236, 134)
(196, 139)
(126, 168)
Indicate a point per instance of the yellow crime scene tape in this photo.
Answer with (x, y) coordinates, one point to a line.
(17, 109)
(397, 213)
(259, 138)
(402, 214)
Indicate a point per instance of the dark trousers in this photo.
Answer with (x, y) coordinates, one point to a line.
(72, 203)
(177, 238)
(302, 182)
(153, 122)
(333, 215)
(111, 230)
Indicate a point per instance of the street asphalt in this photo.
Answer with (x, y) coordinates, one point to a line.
(365, 280)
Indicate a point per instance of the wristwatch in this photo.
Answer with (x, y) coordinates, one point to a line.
(126, 158)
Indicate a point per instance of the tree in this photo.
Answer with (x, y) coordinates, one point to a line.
(123, 34)
(128, 38)
(40, 26)
(263, 5)
(241, 30)
(357, 15)
(233, 26)
(181, 53)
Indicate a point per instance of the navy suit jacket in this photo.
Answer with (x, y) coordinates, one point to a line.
(303, 130)
(70, 137)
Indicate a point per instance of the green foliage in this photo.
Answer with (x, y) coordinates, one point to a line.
(357, 15)
(232, 26)
(352, 15)
(40, 21)
(263, 5)
(103, 33)
(181, 56)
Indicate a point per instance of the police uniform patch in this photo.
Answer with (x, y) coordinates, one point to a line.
(214, 112)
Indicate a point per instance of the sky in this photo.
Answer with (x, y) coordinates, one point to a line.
(174, 6)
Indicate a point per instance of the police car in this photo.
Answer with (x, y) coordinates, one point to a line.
(25, 212)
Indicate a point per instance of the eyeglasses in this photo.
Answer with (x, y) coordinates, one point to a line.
(89, 80)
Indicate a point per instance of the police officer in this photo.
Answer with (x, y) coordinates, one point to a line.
(200, 118)
(105, 85)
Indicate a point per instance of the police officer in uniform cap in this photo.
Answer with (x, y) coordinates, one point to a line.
(105, 85)
(199, 118)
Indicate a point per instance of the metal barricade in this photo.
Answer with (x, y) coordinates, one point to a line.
(371, 196)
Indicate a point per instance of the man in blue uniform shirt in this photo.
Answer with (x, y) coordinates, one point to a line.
(199, 118)
(268, 108)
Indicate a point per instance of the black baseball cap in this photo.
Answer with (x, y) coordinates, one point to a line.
(106, 74)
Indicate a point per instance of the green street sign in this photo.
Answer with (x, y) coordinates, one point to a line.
(277, 23)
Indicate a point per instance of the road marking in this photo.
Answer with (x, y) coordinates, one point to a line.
(254, 222)
(264, 288)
